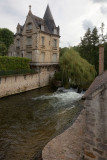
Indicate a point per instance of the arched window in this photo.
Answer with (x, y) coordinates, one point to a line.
(29, 26)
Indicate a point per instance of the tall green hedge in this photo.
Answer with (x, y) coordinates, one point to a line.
(14, 63)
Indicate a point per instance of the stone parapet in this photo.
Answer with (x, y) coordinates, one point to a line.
(68, 145)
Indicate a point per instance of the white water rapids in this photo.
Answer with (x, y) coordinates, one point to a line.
(61, 97)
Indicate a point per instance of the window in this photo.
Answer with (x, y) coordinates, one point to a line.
(22, 54)
(17, 54)
(18, 30)
(42, 41)
(29, 55)
(43, 57)
(29, 26)
(55, 43)
(42, 28)
(55, 31)
(29, 40)
(17, 42)
(54, 57)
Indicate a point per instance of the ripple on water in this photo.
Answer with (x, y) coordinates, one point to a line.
(29, 120)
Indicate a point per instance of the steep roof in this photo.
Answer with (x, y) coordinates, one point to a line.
(97, 83)
(47, 22)
(39, 21)
(48, 18)
(48, 14)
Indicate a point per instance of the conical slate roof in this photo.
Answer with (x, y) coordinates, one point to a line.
(48, 18)
(48, 14)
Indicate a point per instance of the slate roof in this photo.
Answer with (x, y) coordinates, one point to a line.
(96, 84)
(48, 18)
(39, 21)
(47, 21)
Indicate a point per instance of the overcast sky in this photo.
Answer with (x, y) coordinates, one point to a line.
(73, 16)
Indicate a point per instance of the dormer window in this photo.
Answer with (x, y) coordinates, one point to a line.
(29, 26)
(42, 28)
(18, 30)
(55, 31)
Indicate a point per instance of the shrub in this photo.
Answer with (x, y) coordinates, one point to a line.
(14, 63)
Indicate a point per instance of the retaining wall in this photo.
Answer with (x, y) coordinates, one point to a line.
(19, 83)
(96, 125)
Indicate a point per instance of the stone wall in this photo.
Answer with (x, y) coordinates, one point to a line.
(96, 125)
(19, 83)
(69, 144)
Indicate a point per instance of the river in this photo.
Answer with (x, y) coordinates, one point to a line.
(29, 120)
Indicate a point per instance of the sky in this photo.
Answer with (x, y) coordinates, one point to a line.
(73, 16)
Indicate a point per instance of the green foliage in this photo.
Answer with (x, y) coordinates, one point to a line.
(75, 71)
(3, 49)
(89, 49)
(6, 38)
(63, 50)
(14, 63)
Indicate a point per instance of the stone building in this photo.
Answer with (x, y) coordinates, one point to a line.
(96, 115)
(37, 39)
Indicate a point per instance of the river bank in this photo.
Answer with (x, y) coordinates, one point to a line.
(68, 145)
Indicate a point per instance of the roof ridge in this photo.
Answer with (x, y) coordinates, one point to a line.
(38, 17)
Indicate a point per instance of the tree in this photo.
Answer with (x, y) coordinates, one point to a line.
(3, 49)
(6, 37)
(89, 47)
(75, 71)
(63, 50)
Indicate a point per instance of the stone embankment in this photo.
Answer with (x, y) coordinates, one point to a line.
(20, 83)
(68, 145)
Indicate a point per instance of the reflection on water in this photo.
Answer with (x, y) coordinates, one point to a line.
(29, 120)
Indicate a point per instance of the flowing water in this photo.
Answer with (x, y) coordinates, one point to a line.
(29, 120)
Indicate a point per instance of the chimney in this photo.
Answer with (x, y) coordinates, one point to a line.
(101, 59)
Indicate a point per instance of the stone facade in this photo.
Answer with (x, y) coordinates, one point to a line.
(37, 39)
